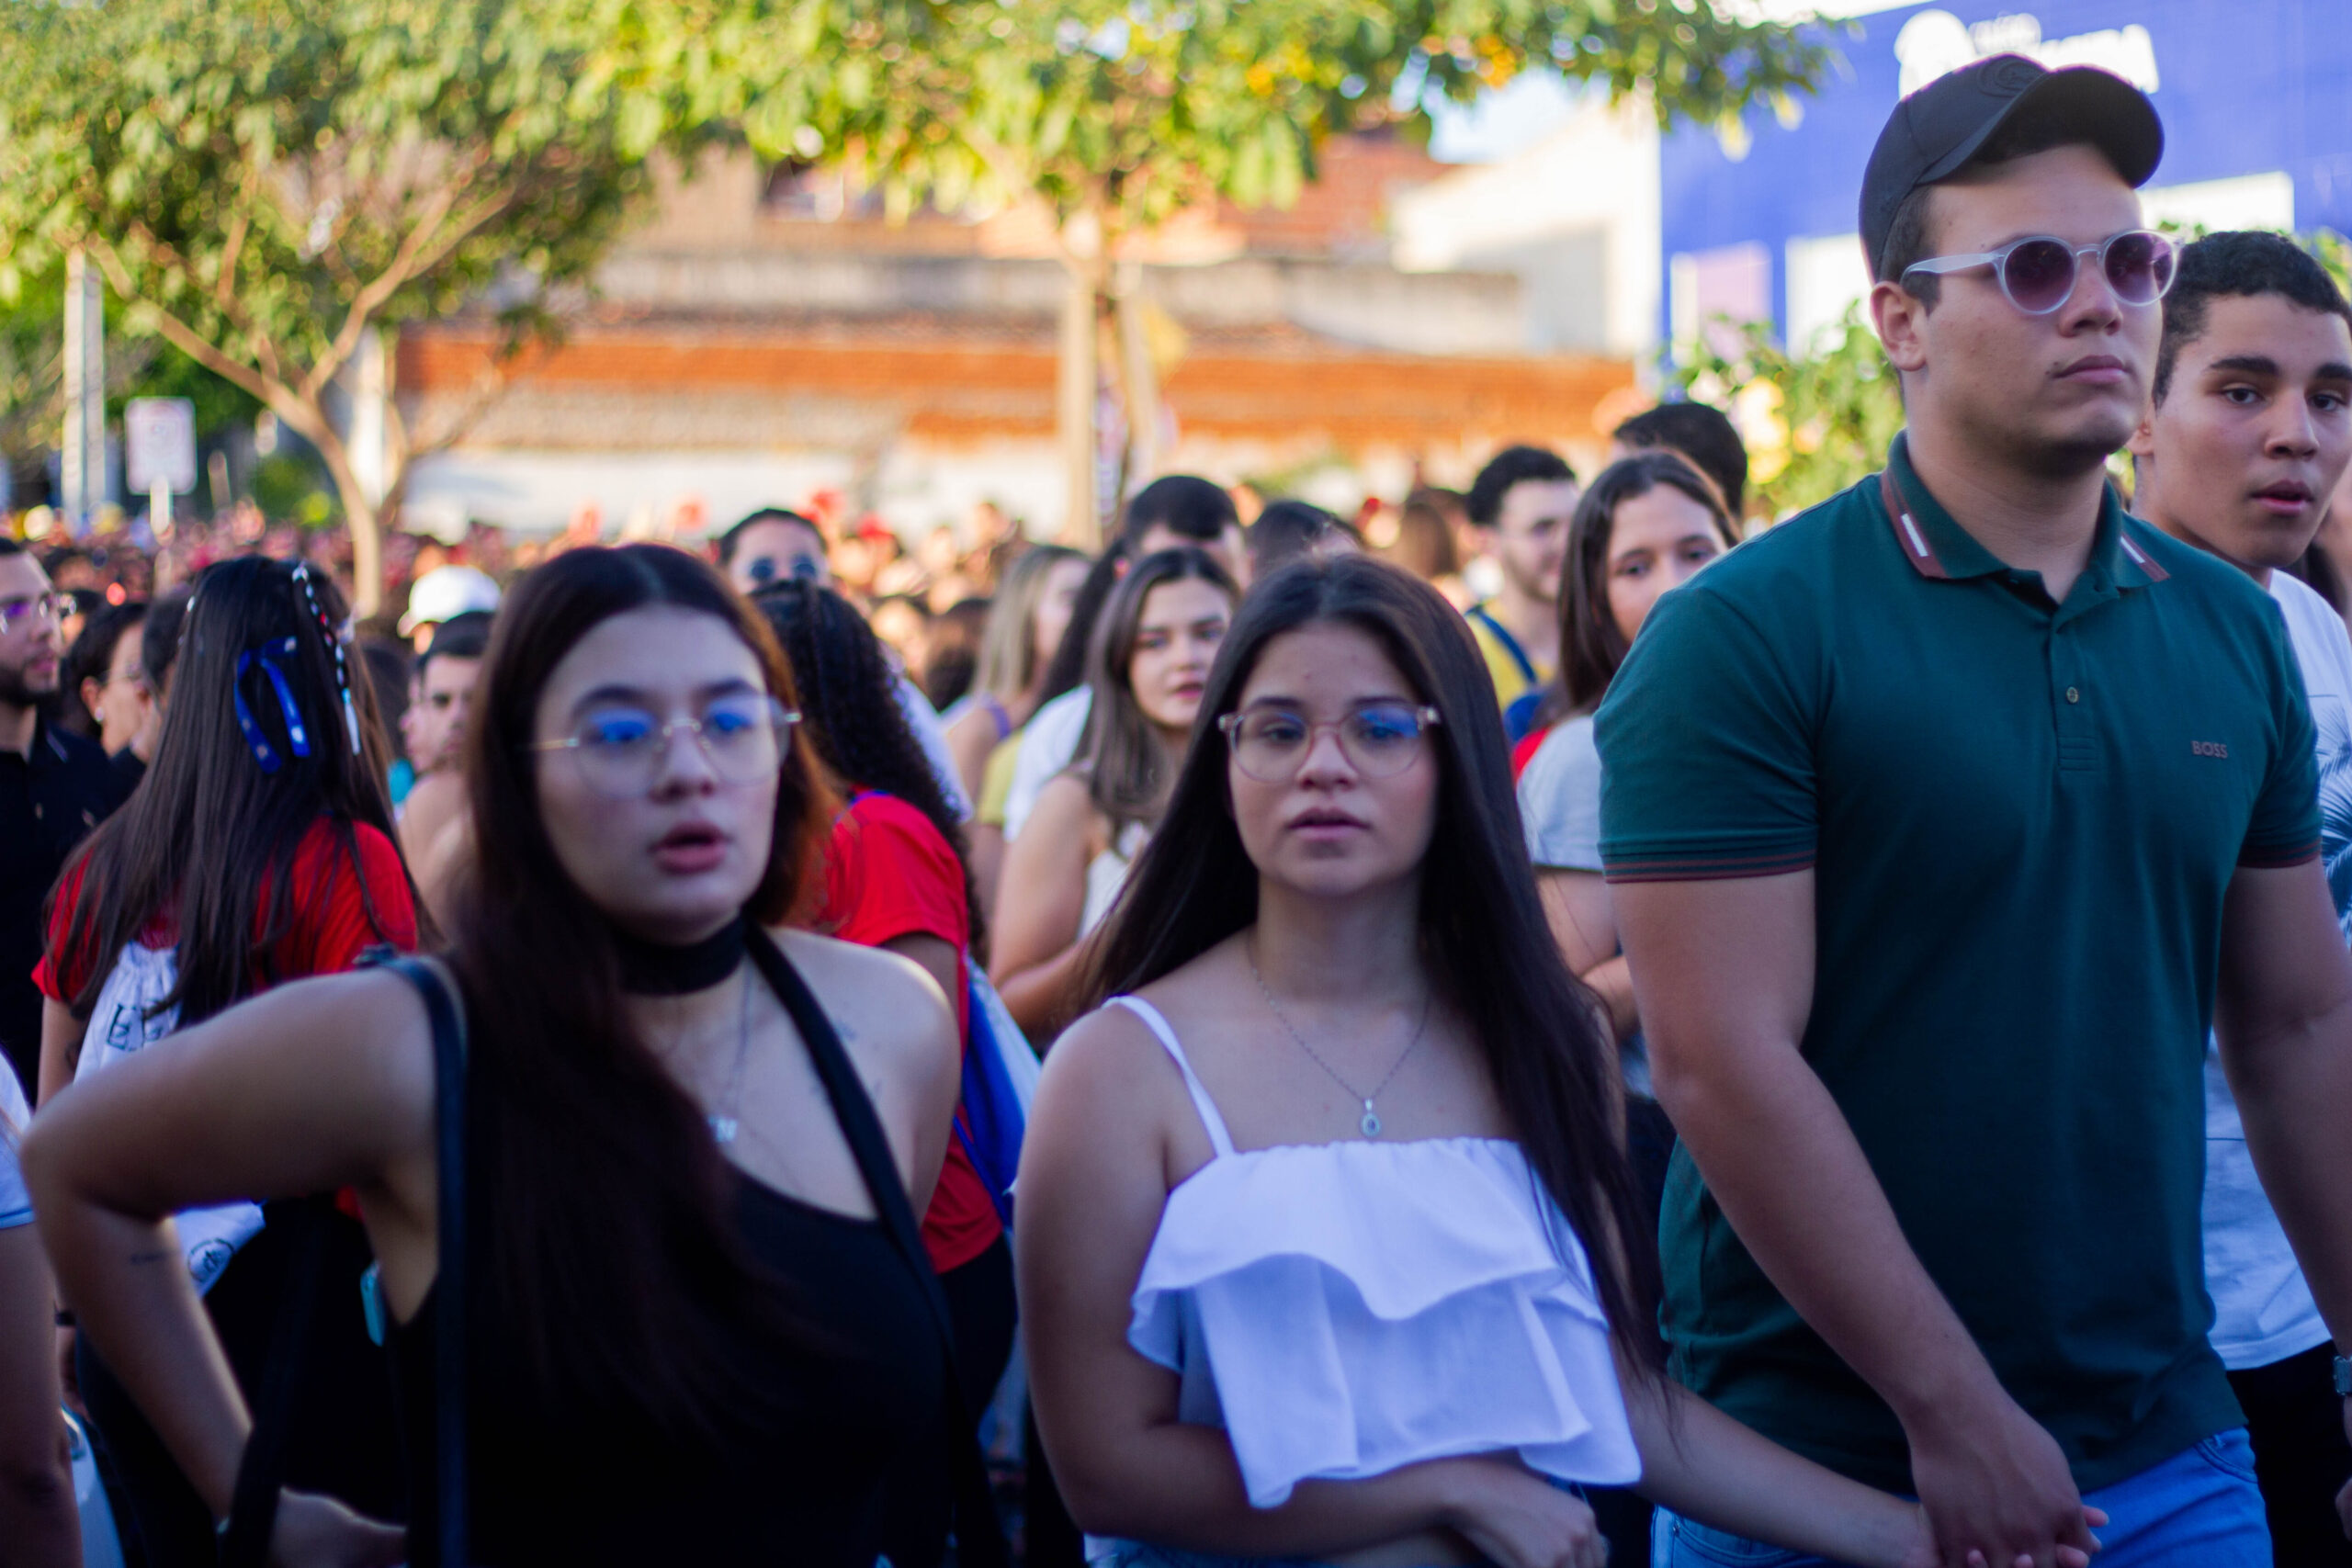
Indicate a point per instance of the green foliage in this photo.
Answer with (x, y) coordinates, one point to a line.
(32, 379)
(265, 182)
(1120, 113)
(291, 489)
(262, 180)
(1814, 422)
(2335, 253)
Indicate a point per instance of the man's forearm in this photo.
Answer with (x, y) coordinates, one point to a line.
(1780, 1159)
(2294, 1094)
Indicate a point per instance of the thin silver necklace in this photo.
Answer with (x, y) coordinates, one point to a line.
(1370, 1125)
(723, 1122)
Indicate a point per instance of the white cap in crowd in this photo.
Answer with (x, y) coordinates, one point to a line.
(446, 592)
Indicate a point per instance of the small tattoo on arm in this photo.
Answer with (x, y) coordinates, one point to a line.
(156, 1256)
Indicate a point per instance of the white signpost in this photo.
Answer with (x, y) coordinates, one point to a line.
(159, 454)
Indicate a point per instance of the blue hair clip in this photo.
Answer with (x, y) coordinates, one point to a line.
(268, 656)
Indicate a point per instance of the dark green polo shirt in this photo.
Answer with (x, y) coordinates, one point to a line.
(2021, 819)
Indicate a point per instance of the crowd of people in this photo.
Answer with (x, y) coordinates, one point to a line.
(1575, 1028)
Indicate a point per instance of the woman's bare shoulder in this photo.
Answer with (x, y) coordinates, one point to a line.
(885, 1009)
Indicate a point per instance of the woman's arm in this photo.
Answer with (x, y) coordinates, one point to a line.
(1037, 959)
(984, 852)
(1094, 1176)
(60, 1047)
(1700, 1462)
(38, 1524)
(1584, 924)
(314, 1086)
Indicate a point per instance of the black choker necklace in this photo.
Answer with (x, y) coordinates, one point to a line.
(663, 969)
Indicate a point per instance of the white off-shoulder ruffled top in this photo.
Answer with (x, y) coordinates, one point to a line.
(1342, 1310)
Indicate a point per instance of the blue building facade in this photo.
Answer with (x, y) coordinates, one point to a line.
(2255, 95)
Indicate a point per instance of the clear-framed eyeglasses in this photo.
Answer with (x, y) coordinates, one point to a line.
(1379, 739)
(619, 749)
(2038, 272)
(51, 607)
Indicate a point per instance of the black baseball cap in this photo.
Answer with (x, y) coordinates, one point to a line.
(1934, 134)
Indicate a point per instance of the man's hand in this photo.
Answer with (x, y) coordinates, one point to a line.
(1996, 1486)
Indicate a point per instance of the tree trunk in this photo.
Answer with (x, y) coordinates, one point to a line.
(361, 510)
(1139, 382)
(1078, 387)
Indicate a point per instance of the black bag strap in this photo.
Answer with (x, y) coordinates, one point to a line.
(261, 1472)
(980, 1544)
(447, 1013)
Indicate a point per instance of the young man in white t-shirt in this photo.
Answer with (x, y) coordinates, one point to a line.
(2250, 430)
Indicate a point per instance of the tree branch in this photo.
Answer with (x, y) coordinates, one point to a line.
(419, 253)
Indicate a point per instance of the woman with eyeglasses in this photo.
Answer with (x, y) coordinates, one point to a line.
(1328, 1250)
(689, 1339)
(257, 850)
(1146, 666)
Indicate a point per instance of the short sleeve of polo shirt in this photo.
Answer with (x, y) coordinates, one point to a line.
(2284, 828)
(1706, 742)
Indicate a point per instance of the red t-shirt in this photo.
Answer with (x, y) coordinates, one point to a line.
(329, 931)
(889, 873)
(1524, 752)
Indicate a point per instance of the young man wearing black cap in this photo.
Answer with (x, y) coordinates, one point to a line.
(2248, 434)
(1954, 811)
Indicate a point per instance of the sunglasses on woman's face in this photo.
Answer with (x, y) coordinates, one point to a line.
(2038, 272)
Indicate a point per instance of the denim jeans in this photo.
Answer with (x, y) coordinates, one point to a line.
(2199, 1509)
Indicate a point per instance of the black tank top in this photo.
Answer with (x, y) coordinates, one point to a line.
(809, 1491)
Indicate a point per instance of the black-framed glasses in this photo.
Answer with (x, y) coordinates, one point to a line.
(2038, 272)
(619, 749)
(51, 607)
(1379, 739)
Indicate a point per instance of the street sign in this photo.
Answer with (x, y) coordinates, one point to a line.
(159, 445)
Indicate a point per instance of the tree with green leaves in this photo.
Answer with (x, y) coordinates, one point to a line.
(1816, 419)
(269, 184)
(1115, 115)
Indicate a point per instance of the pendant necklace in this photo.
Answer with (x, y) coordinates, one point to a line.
(723, 1122)
(1370, 1125)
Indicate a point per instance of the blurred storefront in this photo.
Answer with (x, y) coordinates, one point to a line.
(771, 335)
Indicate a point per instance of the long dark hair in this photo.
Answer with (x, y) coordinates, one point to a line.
(210, 833)
(1125, 762)
(849, 708)
(1490, 955)
(1591, 648)
(607, 1245)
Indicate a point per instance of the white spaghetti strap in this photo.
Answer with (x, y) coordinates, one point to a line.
(1219, 1139)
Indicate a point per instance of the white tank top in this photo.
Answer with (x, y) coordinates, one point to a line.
(1342, 1310)
(1106, 875)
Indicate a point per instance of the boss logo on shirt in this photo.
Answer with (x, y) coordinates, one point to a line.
(2208, 748)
